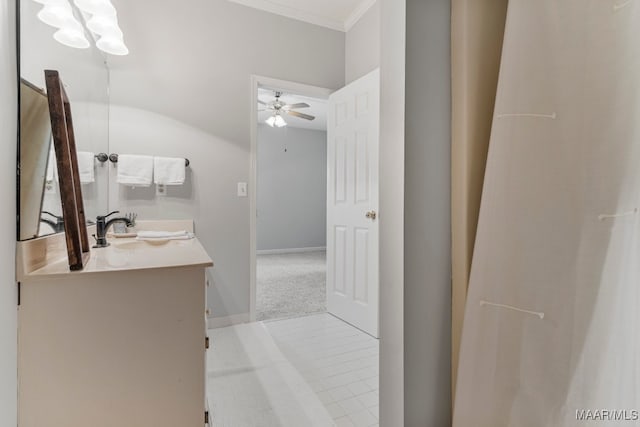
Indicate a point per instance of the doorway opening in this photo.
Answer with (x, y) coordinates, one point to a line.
(291, 205)
(310, 355)
(315, 184)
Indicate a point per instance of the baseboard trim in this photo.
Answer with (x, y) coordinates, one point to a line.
(289, 250)
(221, 322)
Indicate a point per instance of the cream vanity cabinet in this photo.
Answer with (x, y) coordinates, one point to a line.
(120, 344)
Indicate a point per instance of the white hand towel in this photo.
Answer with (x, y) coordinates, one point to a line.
(135, 170)
(86, 165)
(168, 170)
(164, 235)
(52, 166)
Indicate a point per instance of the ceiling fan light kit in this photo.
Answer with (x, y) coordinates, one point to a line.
(278, 108)
(276, 121)
(101, 21)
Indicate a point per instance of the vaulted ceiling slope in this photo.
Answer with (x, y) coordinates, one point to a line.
(192, 61)
(338, 15)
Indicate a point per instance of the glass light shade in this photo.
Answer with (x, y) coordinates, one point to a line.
(96, 7)
(112, 45)
(271, 121)
(71, 37)
(279, 121)
(105, 25)
(58, 15)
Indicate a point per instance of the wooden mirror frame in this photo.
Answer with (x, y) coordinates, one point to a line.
(75, 224)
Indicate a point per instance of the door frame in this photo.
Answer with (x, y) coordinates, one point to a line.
(286, 86)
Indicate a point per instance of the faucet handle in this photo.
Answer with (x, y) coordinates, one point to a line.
(107, 216)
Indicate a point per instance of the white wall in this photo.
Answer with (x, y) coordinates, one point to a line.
(208, 195)
(427, 302)
(291, 188)
(392, 160)
(8, 141)
(362, 45)
(185, 91)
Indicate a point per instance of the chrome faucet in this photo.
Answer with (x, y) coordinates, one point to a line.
(102, 226)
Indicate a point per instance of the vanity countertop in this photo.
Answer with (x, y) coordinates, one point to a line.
(126, 254)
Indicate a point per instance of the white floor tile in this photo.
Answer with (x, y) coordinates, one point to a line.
(359, 387)
(375, 411)
(325, 397)
(337, 362)
(335, 410)
(251, 383)
(369, 399)
(373, 382)
(366, 373)
(339, 380)
(363, 419)
(340, 393)
(344, 422)
(351, 405)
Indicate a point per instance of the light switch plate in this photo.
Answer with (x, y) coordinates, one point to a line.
(242, 189)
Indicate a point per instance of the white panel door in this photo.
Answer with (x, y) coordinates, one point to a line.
(352, 203)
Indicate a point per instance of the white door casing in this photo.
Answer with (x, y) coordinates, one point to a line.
(352, 203)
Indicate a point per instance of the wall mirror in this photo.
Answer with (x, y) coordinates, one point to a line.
(86, 79)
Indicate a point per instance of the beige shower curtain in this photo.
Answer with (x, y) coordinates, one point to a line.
(477, 28)
(551, 323)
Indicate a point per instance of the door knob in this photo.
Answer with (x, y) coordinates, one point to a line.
(371, 215)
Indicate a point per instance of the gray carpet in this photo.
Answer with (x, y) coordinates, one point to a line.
(290, 285)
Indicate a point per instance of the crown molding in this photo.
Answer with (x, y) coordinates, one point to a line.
(293, 13)
(358, 13)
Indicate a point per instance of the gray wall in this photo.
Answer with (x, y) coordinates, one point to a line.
(8, 294)
(362, 45)
(185, 91)
(291, 188)
(427, 302)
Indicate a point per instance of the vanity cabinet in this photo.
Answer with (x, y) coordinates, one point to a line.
(122, 343)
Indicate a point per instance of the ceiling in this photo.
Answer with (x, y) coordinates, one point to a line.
(317, 107)
(338, 15)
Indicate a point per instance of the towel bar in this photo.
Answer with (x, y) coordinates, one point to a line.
(113, 157)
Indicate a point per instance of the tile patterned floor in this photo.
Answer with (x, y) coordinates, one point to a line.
(250, 383)
(339, 362)
(308, 371)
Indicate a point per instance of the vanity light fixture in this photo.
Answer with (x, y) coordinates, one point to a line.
(112, 45)
(58, 14)
(102, 23)
(276, 120)
(72, 37)
(96, 7)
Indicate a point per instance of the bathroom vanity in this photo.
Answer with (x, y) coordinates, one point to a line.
(120, 343)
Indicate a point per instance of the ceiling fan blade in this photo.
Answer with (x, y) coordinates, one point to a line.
(298, 105)
(301, 115)
(262, 102)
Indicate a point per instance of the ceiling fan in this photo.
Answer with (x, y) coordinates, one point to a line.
(280, 108)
